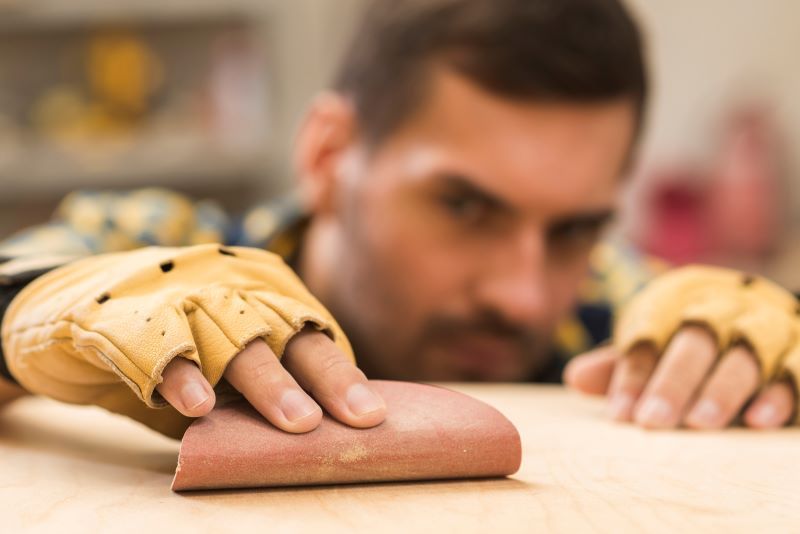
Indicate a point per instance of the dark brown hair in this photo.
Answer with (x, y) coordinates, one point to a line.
(549, 50)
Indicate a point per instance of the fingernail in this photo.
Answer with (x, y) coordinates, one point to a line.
(620, 406)
(654, 411)
(361, 400)
(296, 405)
(765, 415)
(706, 413)
(193, 395)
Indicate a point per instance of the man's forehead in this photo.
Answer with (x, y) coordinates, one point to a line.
(452, 99)
(526, 152)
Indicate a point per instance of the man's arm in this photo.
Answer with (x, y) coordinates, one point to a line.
(14, 276)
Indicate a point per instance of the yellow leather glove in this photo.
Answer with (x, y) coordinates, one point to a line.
(102, 329)
(735, 307)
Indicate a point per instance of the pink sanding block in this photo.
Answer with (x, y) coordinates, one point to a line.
(429, 433)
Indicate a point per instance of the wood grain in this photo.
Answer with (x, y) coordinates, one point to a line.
(65, 467)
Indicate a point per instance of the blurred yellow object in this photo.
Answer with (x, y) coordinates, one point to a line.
(122, 74)
(60, 106)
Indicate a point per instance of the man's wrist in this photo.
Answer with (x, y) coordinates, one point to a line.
(15, 275)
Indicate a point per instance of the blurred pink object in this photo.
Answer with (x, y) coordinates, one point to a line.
(679, 227)
(729, 212)
(747, 212)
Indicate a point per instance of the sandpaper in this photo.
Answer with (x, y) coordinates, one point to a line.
(429, 433)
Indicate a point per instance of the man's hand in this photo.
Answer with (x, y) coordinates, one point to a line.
(699, 346)
(686, 386)
(277, 389)
(137, 330)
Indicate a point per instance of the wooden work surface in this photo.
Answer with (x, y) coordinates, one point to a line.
(67, 468)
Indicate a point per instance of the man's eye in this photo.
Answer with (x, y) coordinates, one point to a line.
(576, 234)
(465, 207)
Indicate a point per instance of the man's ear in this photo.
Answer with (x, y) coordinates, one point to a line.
(326, 134)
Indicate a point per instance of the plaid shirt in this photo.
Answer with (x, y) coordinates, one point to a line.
(89, 222)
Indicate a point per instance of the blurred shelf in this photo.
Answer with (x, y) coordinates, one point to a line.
(26, 15)
(43, 170)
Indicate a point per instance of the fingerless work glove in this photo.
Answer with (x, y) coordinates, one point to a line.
(735, 307)
(102, 329)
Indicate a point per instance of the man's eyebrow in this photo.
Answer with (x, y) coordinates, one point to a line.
(464, 185)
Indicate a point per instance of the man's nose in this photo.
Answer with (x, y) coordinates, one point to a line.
(515, 282)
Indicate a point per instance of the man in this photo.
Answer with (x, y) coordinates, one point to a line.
(456, 181)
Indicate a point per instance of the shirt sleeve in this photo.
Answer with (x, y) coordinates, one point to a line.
(95, 222)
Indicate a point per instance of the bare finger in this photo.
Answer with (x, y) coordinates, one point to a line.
(731, 384)
(773, 407)
(591, 372)
(679, 374)
(258, 374)
(629, 381)
(186, 389)
(333, 379)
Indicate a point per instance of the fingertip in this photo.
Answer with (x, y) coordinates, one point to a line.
(765, 416)
(654, 413)
(620, 407)
(579, 379)
(185, 388)
(706, 415)
(197, 398)
(761, 417)
(298, 412)
(591, 373)
(303, 425)
(366, 407)
(370, 419)
(772, 408)
(572, 373)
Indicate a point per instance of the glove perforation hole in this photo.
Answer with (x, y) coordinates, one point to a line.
(163, 333)
(241, 312)
(748, 280)
(226, 252)
(167, 266)
(148, 319)
(103, 298)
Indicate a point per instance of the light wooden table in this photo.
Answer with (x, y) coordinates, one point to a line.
(66, 468)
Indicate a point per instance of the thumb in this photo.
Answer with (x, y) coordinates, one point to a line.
(591, 372)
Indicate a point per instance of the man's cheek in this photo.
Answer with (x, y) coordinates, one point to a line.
(427, 266)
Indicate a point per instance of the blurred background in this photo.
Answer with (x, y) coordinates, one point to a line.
(203, 97)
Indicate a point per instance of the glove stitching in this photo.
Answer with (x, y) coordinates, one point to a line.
(151, 381)
(296, 323)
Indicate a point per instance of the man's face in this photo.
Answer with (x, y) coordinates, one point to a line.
(463, 238)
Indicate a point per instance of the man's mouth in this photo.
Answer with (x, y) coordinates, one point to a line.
(485, 357)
